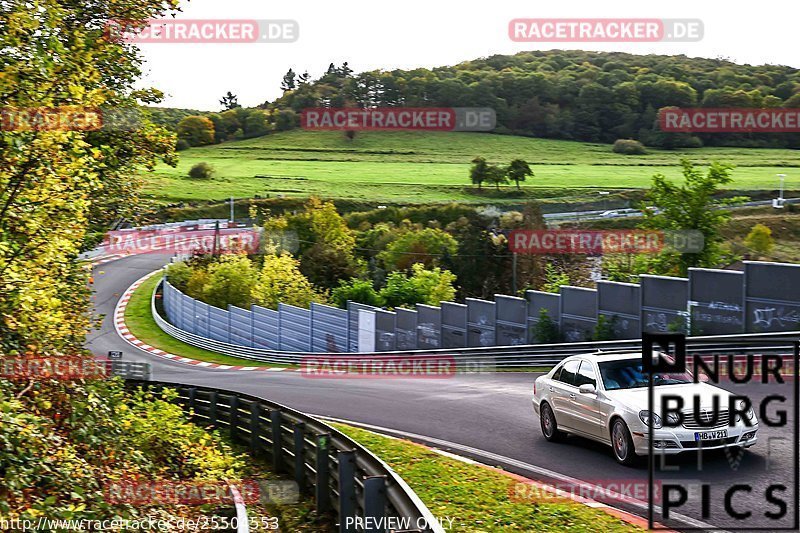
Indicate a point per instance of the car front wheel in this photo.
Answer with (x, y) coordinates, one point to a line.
(622, 443)
(549, 427)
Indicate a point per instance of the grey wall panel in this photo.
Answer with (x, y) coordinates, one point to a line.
(578, 313)
(716, 301)
(454, 325)
(179, 314)
(186, 307)
(619, 303)
(218, 324)
(266, 330)
(512, 315)
(429, 327)
(664, 304)
(385, 325)
(328, 329)
(537, 301)
(406, 329)
(201, 318)
(167, 295)
(772, 296)
(352, 323)
(295, 328)
(241, 326)
(481, 322)
(579, 301)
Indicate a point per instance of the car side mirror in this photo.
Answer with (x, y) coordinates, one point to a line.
(587, 388)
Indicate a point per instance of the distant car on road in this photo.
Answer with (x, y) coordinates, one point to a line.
(611, 214)
(604, 397)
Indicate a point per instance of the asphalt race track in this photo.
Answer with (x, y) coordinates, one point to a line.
(487, 417)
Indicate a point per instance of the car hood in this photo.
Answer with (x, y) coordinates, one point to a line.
(636, 399)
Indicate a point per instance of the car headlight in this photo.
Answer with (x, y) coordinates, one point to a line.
(646, 416)
(750, 414)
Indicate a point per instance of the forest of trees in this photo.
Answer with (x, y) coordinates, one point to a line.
(567, 94)
(559, 94)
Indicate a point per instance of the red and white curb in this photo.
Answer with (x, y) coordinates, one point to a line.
(130, 338)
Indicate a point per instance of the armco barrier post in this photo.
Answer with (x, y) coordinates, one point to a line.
(347, 490)
(233, 416)
(374, 502)
(255, 428)
(299, 455)
(191, 394)
(212, 408)
(275, 426)
(322, 466)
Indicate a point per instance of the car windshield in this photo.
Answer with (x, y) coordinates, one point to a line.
(629, 374)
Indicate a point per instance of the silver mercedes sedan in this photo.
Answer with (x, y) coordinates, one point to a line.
(604, 397)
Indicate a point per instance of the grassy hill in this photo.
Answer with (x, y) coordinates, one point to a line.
(419, 167)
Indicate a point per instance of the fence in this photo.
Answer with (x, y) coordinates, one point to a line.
(343, 477)
(763, 298)
(525, 355)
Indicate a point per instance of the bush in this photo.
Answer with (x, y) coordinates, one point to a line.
(280, 281)
(605, 328)
(201, 171)
(181, 145)
(424, 246)
(196, 130)
(629, 147)
(178, 274)
(230, 282)
(545, 330)
(760, 239)
(423, 287)
(356, 290)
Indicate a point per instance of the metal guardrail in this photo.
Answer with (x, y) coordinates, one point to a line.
(344, 478)
(128, 369)
(521, 356)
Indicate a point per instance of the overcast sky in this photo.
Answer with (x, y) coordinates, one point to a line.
(371, 34)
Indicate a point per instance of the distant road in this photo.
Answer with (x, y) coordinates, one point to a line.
(628, 212)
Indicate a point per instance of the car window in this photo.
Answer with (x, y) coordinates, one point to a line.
(586, 375)
(568, 372)
(630, 374)
(557, 373)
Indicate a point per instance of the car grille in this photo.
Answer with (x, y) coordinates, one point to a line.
(706, 415)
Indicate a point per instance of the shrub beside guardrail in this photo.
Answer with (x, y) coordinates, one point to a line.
(344, 477)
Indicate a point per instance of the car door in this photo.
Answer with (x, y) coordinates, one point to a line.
(587, 407)
(560, 391)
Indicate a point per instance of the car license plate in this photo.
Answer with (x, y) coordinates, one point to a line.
(710, 435)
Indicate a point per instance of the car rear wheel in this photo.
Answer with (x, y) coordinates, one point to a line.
(622, 443)
(549, 427)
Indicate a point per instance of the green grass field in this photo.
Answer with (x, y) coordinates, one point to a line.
(420, 167)
(479, 499)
